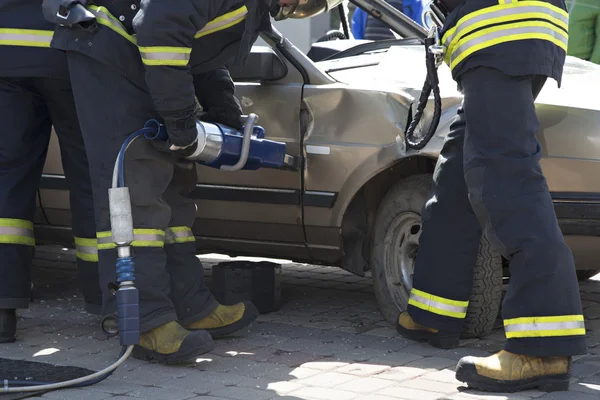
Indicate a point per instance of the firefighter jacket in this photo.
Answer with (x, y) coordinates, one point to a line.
(25, 42)
(518, 37)
(174, 40)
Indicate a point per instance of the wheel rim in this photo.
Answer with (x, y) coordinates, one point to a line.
(401, 244)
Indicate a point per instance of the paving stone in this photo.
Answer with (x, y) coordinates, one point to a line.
(301, 372)
(365, 385)
(76, 393)
(328, 341)
(383, 332)
(581, 370)
(395, 359)
(278, 387)
(312, 393)
(431, 386)
(156, 393)
(399, 374)
(444, 375)
(363, 370)
(243, 393)
(570, 395)
(409, 394)
(326, 379)
(586, 387)
(431, 363)
(474, 395)
(292, 359)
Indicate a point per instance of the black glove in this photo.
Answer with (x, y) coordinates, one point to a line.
(182, 132)
(229, 116)
(215, 92)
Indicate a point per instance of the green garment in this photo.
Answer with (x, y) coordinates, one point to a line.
(584, 29)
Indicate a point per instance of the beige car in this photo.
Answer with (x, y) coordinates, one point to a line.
(355, 202)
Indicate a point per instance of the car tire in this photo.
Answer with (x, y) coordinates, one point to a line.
(585, 274)
(397, 226)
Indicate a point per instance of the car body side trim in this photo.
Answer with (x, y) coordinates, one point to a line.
(232, 193)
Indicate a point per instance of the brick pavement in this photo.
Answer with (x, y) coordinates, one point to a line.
(327, 342)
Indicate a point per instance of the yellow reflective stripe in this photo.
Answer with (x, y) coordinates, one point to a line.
(179, 234)
(506, 33)
(148, 238)
(451, 41)
(86, 249)
(164, 55)
(528, 327)
(105, 240)
(104, 17)
(223, 22)
(16, 231)
(504, 13)
(141, 238)
(25, 37)
(438, 305)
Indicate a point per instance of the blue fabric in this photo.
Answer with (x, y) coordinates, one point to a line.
(359, 21)
(415, 9)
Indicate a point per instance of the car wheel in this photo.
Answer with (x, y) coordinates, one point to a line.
(394, 244)
(585, 274)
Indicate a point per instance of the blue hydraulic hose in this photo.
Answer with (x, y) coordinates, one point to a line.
(152, 130)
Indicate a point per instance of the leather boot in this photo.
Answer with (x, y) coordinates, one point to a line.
(172, 344)
(225, 320)
(8, 326)
(508, 372)
(409, 329)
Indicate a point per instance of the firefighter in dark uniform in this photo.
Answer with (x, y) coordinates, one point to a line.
(35, 94)
(133, 61)
(488, 179)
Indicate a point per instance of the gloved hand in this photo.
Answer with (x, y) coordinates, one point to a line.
(182, 132)
(215, 92)
(229, 116)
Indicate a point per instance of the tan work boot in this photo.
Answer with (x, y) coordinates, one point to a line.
(172, 344)
(509, 372)
(409, 329)
(225, 320)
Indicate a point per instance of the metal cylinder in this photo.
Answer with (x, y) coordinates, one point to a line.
(210, 142)
(121, 221)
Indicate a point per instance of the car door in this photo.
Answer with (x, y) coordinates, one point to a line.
(257, 212)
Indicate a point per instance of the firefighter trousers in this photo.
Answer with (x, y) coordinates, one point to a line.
(488, 179)
(29, 107)
(168, 274)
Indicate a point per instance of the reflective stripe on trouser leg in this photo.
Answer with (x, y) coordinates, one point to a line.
(538, 327)
(16, 246)
(509, 193)
(141, 238)
(16, 231)
(86, 251)
(438, 305)
(447, 255)
(179, 234)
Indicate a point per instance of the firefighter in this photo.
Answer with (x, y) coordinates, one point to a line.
(488, 179)
(133, 61)
(35, 94)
